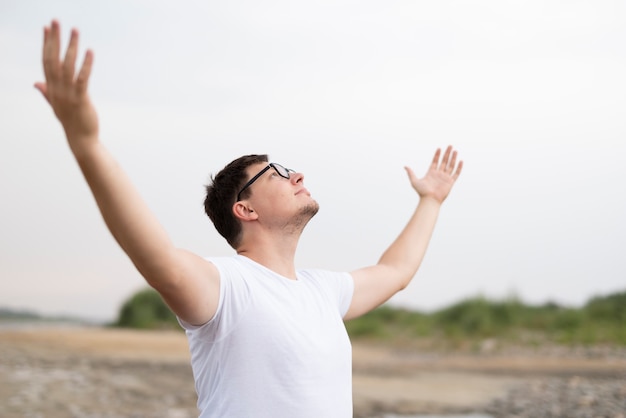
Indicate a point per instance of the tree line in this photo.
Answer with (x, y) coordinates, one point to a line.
(602, 320)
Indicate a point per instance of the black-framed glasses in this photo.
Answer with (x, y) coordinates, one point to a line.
(280, 170)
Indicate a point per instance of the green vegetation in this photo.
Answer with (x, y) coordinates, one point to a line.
(18, 315)
(146, 310)
(13, 316)
(602, 320)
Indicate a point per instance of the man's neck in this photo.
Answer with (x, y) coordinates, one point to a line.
(277, 254)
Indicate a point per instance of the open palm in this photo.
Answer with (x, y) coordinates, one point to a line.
(65, 88)
(440, 176)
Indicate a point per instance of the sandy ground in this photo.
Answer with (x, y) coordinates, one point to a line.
(95, 372)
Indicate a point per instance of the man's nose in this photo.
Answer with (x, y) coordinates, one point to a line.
(296, 178)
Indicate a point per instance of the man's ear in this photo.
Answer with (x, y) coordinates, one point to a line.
(244, 212)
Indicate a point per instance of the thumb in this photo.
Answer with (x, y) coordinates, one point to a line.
(410, 173)
(43, 89)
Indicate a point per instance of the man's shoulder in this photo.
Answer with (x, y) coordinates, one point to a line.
(227, 261)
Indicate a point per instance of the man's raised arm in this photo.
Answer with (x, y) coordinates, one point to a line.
(188, 283)
(376, 284)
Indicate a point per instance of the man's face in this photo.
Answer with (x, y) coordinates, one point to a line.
(279, 169)
(280, 201)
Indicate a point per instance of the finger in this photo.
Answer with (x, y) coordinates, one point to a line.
(69, 64)
(52, 52)
(457, 173)
(410, 173)
(44, 50)
(43, 89)
(452, 162)
(85, 71)
(446, 157)
(435, 162)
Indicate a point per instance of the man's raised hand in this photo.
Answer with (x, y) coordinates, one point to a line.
(440, 176)
(66, 90)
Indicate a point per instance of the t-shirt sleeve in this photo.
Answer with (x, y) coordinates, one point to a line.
(233, 299)
(346, 291)
(208, 326)
(339, 285)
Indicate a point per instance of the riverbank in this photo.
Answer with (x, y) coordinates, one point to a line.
(57, 371)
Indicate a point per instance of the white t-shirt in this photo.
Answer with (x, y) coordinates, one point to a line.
(276, 347)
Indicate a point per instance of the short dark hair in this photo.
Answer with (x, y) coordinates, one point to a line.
(221, 194)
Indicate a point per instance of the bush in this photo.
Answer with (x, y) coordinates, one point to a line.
(386, 322)
(480, 317)
(609, 308)
(146, 310)
(601, 320)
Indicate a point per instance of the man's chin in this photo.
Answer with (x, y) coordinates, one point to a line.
(311, 209)
(304, 216)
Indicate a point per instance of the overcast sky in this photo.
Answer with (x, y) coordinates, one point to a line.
(532, 93)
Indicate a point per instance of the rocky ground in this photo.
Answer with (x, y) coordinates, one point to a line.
(500, 383)
(104, 373)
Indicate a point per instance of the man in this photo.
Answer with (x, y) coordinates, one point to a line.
(266, 340)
